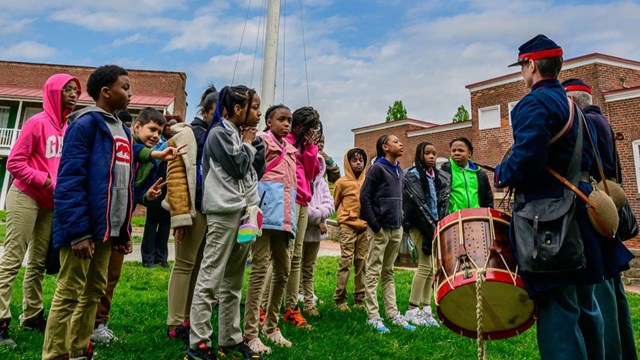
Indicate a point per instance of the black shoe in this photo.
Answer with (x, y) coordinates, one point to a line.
(38, 323)
(149, 265)
(5, 339)
(203, 352)
(241, 349)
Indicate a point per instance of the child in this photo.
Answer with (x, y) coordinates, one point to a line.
(332, 171)
(305, 131)
(425, 197)
(96, 165)
(354, 242)
(233, 162)
(147, 129)
(189, 223)
(277, 188)
(470, 186)
(381, 208)
(320, 208)
(33, 162)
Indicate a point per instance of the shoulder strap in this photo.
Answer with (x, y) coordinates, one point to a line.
(275, 162)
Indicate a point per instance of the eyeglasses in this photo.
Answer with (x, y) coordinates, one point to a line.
(68, 90)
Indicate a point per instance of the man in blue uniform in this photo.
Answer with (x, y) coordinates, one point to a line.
(570, 324)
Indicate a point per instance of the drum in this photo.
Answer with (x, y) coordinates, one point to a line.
(464, 242)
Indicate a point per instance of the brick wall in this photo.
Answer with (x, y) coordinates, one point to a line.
(142, 81)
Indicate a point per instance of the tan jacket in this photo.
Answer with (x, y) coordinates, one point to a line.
(346, 197)
(181, 178)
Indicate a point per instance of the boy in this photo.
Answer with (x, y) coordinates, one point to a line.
(96, 165)
(353, 234)
(147, 129)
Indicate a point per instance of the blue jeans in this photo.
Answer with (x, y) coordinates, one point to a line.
(618, 340)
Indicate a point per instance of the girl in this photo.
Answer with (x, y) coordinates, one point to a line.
(277, 188)
(187, 219)
(425, 195)
(305, 130)
(470, 186)
(233, 162)
(381, 208)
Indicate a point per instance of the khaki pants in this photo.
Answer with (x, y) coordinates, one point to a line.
(113, 276)
(270, 249)
(309, 256)
(81, 284)
(185, 271)
(222, 268)
(422, 284)
(383, 250)
(28, 229)
(353, 249)
(293, 284)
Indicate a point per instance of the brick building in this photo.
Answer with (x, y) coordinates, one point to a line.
(615, 84)
(21, 97)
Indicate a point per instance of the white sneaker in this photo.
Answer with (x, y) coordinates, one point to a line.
(277, 338)
(427, 315)
(401, 321)
(102, 334)
(256, 345)
(415, 316)
(316, 301)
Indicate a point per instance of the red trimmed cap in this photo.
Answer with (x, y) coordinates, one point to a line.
(540, 47)
(576, 85)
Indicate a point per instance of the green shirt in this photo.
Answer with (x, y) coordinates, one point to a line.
(464, 187)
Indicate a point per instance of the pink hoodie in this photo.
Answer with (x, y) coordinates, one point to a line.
(36, 154)
(307, 168)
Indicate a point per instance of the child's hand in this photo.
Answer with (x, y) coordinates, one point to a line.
(83, 249)
(249, 134)
(155, 190)
(168, 154)
(323, 228)
(178, 234)
(124, 249)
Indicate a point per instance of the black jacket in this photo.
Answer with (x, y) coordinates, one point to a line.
(485, 194)
(416, 212)
(199, 128)
(381, 196)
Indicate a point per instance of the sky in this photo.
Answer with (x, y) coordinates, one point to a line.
(361, 55)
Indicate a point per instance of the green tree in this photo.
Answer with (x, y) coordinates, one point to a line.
(397, 111)
(461, 115)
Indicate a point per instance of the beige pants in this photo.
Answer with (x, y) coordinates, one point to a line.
(185, 271)
(28, 229)
(293, 284)
(383, 250)
(81, 284)
(309, 256)
(270, 249)
(222, 268)
(114, 270)
(353, 250)
(422, 284)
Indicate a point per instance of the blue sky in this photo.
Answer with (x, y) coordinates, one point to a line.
(361, 55)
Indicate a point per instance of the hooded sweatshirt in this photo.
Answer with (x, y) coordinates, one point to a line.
(307, 168)
(346, 197)
(35, 156)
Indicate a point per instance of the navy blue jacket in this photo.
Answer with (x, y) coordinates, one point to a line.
(381, 196)
(199, 128)
(603, 139)
(83, 192)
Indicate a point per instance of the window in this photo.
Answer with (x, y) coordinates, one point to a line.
(28, 113)
(4, 116)
(489, 117)
(636, 161)
(441, 160)
(510, 106)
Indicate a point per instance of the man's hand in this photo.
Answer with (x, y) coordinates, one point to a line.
(83, 249)
(155, 190)
(179, 233)
(168, 154)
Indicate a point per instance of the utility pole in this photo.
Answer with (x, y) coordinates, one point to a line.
(270, 61)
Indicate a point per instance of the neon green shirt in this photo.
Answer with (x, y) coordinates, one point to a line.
(464, 187)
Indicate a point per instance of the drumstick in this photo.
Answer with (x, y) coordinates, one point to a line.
(492, 169)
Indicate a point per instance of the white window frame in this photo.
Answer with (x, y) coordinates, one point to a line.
(510, 107)
(6, 122)
(636, 161)
(492, 125)
(28, 113)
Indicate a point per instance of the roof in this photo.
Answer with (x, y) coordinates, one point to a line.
(183, 74)
(568, 64)
(622, 94)
(32, 93)
(391, 124)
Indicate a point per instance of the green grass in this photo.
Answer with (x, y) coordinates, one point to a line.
(3, 233)
(3, 215)
(139, 314)
(138, 221)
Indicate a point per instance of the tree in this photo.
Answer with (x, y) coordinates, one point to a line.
(461, 115)
(397, 111)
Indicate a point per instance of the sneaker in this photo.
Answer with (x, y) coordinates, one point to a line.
(38, 323)
(258, 346)
(163, 264)
(203, 352)
(102, 334)
(62, 357)
(427, 315)
(343, 307)
(5, 339)
(401, 321)
(294, 317)
(179, 333)
(378, 324)
(312, 311)
(87, 356)
(300, 298)
(263, 316)
(415, 317)
(276, 337)
(241, 349)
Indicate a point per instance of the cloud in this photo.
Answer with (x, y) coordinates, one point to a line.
(27, 50)
(14, 26)
(137, 38)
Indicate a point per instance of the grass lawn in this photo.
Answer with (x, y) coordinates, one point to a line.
(139, 313)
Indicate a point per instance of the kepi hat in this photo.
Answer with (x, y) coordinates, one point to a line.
(576, 85)
(540, 47)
